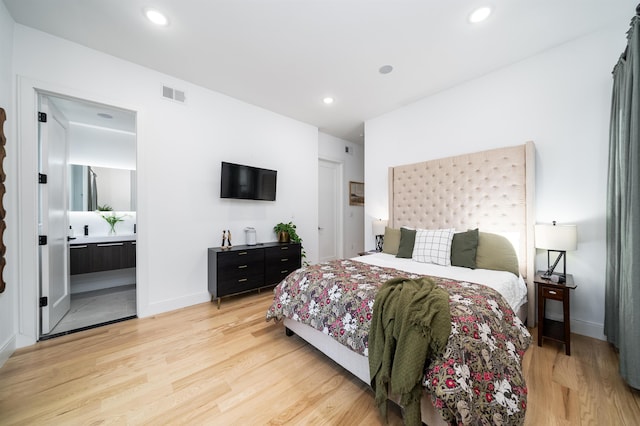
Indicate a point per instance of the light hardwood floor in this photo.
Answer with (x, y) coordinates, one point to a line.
(201, 365)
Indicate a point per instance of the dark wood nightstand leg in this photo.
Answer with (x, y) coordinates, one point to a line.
(540, 315)
(567, 323)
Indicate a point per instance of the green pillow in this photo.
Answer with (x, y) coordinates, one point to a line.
(463, 249)
(495, 252)
(391, 241)
(407, 239)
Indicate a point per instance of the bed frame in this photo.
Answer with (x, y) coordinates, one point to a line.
(490, 190)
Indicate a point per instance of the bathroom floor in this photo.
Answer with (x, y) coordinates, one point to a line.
(97, 307)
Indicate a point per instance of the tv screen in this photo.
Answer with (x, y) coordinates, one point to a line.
(247, 183)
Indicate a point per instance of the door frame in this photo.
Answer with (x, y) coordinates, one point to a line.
(339, 191)
(27, 276)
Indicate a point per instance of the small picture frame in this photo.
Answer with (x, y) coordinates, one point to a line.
(356, 193)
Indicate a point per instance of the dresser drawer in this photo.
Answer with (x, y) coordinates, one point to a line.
(228, 286)
(233, 259)
(240, 270)
(276, 273)
(552, 293)
(285, 251)
(285, 262)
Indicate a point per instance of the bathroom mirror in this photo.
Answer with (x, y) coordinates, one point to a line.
(90, 187)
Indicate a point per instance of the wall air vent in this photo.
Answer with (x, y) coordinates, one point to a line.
(173, 94)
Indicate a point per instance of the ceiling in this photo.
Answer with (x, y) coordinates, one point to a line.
(287, 55)
(95, 115)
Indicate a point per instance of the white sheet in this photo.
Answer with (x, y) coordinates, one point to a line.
(512, 288)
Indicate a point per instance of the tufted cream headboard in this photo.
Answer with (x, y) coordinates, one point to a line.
(490, 190)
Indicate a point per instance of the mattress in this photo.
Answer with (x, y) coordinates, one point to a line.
(512, 288)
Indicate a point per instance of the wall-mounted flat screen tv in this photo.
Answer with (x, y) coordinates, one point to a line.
(247, 183)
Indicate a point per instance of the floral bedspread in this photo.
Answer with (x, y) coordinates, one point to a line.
(477, 380)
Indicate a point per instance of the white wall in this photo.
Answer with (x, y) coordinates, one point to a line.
(179, 150)
(8, 299)
(333, 149)
(560, 99)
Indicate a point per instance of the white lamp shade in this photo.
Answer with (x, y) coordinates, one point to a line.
(378, 226)
(556, 237)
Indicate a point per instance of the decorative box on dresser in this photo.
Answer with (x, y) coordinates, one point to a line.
(559, 331)
(245, 268)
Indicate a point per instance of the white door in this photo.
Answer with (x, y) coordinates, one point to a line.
(52, 216)
(329, 210)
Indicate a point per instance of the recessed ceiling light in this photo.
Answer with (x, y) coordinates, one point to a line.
(328, 100)
(105, 115)
(156, 17)
(385, 69)
(480, 14)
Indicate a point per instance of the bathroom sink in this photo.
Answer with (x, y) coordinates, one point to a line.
(102, 239)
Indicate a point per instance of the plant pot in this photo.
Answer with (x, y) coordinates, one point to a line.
(283, 237)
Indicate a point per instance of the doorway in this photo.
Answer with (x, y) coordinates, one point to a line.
(330, 221)
(87, 180)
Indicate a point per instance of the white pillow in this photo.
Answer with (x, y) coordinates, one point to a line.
(433, 246)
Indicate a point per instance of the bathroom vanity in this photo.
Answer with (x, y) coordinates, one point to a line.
(97, 263)
(97, 254)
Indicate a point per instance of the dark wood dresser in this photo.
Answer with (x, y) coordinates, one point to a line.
(246, 268)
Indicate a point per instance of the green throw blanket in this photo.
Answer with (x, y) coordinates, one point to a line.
(411, 322)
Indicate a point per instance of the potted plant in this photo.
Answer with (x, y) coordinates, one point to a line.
(286, 232)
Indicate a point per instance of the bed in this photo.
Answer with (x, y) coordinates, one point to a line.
(491, 191)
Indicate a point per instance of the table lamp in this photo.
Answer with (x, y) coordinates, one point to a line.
(557, 238)
(378, 231)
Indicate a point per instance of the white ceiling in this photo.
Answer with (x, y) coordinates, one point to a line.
(286, 55)
(95, 115)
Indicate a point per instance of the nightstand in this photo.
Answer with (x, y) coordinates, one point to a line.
(559, 331)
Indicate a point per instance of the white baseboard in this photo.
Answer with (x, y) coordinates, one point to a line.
(584, 328)
(173, 304)
(7, 349)
(589, 329)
